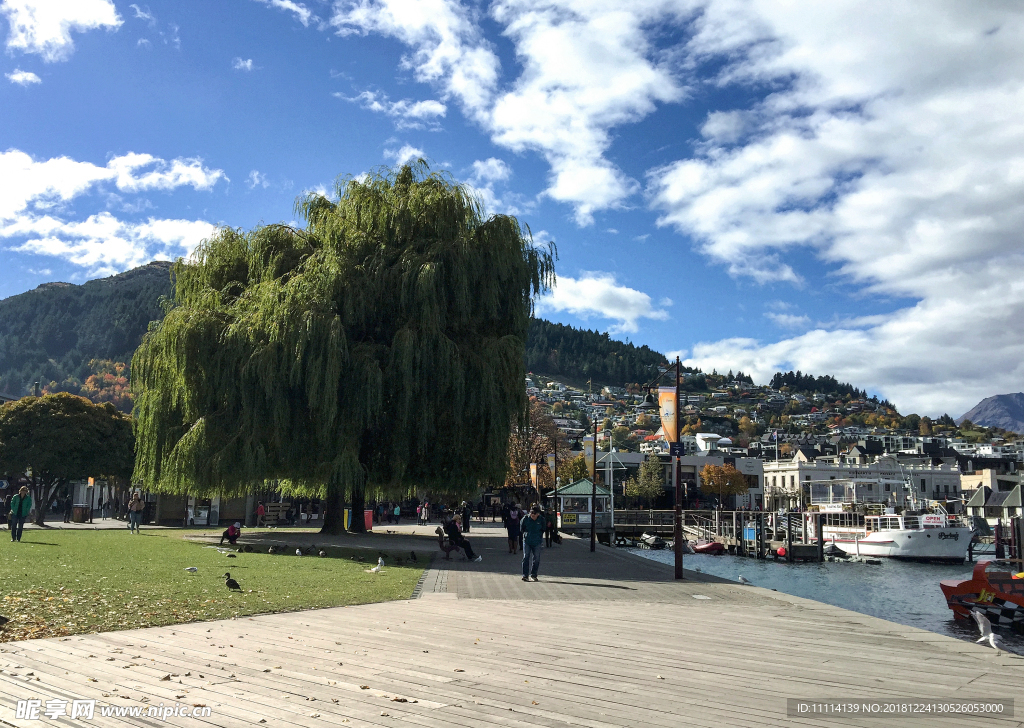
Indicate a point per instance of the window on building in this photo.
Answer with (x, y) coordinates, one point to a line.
(773, 481)
(792, 481)
(924, 485)
(887, 487)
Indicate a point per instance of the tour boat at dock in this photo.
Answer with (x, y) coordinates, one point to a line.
(915, 536)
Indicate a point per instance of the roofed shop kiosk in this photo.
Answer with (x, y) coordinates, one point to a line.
(572, 502)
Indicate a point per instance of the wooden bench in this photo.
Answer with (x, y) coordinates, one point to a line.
(445, 544)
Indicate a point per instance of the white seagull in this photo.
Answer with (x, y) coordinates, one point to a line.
(744, 580)
(380, 565)
(298, 552)
(986, 628)
(191, 569)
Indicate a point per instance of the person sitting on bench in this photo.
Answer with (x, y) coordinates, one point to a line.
(232, 534)
(455, 537)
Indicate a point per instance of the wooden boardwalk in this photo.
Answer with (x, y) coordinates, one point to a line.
(603, 640)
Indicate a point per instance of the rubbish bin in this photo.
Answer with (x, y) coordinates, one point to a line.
(80, 514)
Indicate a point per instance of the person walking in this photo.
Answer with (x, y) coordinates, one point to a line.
(261, 515)
(21, 506)
(533, 534)
(135, 506)
(467, 516)
(67, 507)
(398, 513)
(512, 528)
(550, 526)
(481, 511)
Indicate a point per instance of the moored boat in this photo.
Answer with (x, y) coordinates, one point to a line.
(911, 535)
(996, 589)
(709, 547)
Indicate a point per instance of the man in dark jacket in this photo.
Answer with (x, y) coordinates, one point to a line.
(533, 534)
(21, 506)
(455, 537)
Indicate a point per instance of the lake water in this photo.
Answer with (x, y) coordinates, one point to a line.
(900, 591)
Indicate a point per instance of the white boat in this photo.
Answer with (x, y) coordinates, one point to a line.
(915, 536)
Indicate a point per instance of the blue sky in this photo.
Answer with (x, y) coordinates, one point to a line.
(835, 187)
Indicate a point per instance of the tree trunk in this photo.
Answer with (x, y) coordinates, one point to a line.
(334, 514)
(358, 504)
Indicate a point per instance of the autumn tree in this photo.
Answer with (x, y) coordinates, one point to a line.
(62, 437)
(722, 479)
(575, 469)
(379, 347)
(531, 443)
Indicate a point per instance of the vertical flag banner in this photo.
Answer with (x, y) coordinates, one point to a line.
(533, 474)
(588, 454)
(667, 400)
(551, 462)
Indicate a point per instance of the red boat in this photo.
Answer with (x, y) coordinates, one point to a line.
(709, 547)
(996, 589)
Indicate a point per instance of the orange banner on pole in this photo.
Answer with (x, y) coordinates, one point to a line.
(667, 401)
(588, 454)
(533, 474)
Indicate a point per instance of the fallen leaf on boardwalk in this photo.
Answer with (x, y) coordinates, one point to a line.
(386, 715)
(110, 659)
(459, 670)
(660, 677)
(334, 700)
(179, 697)
(267, 670)
(535, 702)
(92, 679)
(399, 700)
(314, 715)
(165, 678)
(364, 687)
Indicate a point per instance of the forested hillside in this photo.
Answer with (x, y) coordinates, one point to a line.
(71, 338)
(579, 355)
(808, 384)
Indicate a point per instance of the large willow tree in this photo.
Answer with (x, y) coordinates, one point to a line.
(378, 348)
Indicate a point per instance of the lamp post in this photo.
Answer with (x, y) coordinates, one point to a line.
(593, 495)
(677, 526)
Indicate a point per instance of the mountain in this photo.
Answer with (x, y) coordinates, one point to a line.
(577, 355)
(75, 338)
(1005, 411)
(65, 333)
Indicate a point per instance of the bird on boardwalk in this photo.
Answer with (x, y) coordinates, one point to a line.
(744, 580)
(298, 552)
(231, 583)
(191, 569)
(413, 556)
(272, 550)
(986, 628)
(322, 553)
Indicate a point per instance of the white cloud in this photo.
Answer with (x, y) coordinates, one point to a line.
(303, 14)
(143, 43)
(789, 320)
(146, 14)
(892, 147)
(242, 65)
(588, 66)
(34, 193)
(257, 179)
(45, 26)
(406, 154)
(23, 78)
(448, 47)
(598, 294)
(408, 114)
(491, 169)
(105, 245)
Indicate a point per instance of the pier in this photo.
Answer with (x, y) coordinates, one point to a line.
(604, 640)
(744, 533)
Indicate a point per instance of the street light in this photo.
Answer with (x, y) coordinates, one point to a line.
(677, 526)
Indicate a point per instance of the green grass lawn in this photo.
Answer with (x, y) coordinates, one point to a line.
(57, 583)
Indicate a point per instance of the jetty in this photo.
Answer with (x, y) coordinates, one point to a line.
(603, 640)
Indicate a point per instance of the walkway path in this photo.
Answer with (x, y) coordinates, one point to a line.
(604, 640)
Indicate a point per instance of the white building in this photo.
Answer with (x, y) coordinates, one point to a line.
(885, 480)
